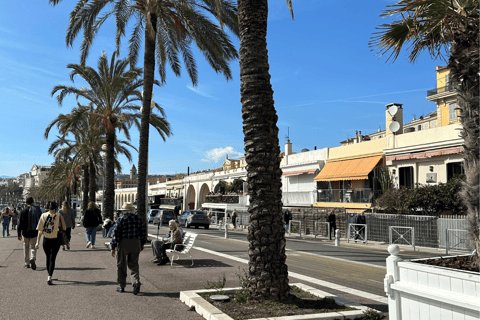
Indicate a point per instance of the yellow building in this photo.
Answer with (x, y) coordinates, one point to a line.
(445, 98)
(230, 164)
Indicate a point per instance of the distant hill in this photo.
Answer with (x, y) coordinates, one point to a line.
(5, 177)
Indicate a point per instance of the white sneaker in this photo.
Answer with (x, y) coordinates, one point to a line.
(93, 247)
(89, 244)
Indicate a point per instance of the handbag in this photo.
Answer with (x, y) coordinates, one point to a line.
(62, 235)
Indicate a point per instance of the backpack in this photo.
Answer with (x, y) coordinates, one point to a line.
(34, 214)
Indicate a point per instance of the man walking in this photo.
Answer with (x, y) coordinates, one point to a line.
(360, 219)
(27, 227)
(129, 236)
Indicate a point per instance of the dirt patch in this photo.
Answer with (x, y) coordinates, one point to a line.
(298, 303)
(462, 263)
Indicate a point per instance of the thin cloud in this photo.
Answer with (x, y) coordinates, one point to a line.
(353, 99)
(215, 155)
(202, 93)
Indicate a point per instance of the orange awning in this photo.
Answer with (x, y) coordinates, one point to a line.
(356, 169)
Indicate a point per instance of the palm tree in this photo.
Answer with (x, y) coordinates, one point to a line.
(446, 29)
(268, 272)
(169, 28)
(112, 92)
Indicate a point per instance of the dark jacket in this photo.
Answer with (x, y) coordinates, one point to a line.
(22, 227)
(360, 219)
(92, 218)
(332, 219)
(287, 216)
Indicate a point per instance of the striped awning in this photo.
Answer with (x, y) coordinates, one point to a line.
(355, 169)
(299, 172)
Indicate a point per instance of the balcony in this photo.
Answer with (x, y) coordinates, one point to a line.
(447, 88)
(305, 198)
(357, 195)
(241, 200)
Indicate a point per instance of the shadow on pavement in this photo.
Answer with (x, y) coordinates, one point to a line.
(199, 263)
(175, 295)
(94, 283)
(79, 269)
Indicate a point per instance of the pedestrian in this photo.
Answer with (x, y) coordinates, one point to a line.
(287, 217)
(112, 228)
(49, 225)
(91, 220)
(69, 218)
(107, 224)
(331, 219)
(14, 219)
(361, 221)
(159, 247)
(27, 227)
(129, 237)
(6, 215)
(234, 218)
(176, 212)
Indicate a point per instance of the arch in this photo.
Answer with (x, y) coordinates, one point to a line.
(204, 190)
(190, 198)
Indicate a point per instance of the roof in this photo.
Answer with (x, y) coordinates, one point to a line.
(356, 169)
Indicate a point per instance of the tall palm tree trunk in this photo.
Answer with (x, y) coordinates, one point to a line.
(109, 188)
(149, 76)
(268, 271)
(86, 183)
(463, 63)
(93, 182)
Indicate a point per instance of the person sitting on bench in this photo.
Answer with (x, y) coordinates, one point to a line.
(159, 246)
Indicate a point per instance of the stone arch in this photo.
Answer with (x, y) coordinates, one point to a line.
(190, 198)
(204, 190)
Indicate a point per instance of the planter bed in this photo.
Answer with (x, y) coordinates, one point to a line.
(210, 312)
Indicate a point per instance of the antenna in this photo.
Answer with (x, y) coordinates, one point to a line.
(394, 126)
(392, 110)
(288, 134)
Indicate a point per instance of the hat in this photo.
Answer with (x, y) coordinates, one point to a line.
(128, 206)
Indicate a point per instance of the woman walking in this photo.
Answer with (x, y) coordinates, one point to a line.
(49, 225)
(6, 215)
(14, 219)
(91, 220)
(69, 217)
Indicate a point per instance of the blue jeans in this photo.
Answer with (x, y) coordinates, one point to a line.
(5, 228)
(91, 233)
(110, 232)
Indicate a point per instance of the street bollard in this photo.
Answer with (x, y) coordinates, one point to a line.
(337, 237)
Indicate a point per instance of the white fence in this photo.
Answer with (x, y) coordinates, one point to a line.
(298, 198)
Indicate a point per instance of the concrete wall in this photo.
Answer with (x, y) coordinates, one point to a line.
(433, 135)
(304, 157)
(358, 150)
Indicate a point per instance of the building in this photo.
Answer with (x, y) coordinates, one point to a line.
(298, 173)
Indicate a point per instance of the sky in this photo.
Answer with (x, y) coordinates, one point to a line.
(327, 84)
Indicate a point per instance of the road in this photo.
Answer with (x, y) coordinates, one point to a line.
(352, 269)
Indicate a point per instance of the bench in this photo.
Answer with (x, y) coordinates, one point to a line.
(187, 243)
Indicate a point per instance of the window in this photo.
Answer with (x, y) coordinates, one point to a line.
(452, 112)
(419, 127)
(406, 176)
(454, 168)
(432, 124)
(426, 126)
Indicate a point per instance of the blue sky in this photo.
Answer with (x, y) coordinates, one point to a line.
(327, 83)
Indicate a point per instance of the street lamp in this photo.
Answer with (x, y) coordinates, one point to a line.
(104, 156)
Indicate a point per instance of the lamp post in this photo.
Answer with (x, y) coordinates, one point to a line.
(104, 156)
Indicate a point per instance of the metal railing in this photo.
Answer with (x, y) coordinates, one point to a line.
(358, 231)
(356, 195)
(456, 239)
(447, 88)
(402, 235)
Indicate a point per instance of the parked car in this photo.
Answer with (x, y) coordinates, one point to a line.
(164, 216)
(151, 214)
(194, 218)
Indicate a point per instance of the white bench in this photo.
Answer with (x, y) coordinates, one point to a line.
(187, 243)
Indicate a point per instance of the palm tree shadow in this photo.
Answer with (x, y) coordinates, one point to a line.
(79, 269)
(175, 295)
(82, 283)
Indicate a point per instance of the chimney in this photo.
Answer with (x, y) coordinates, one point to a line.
(360, 138)
(398, 117)
(288, 148)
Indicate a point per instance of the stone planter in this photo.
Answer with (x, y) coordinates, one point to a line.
(210, 312)
(426, 292)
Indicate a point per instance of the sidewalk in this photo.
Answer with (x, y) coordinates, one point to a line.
(85, 283)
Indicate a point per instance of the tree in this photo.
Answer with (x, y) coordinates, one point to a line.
(111, 94)
(450, 29)
(169, 28)
(267, 271)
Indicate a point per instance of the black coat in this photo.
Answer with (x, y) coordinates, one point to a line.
(332, 219)
(92, 218)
